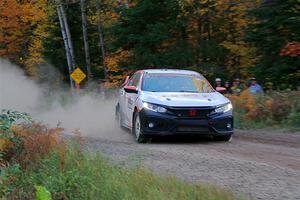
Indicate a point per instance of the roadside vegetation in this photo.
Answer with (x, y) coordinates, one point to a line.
(36, 163)
(271, 110)
(108, 40)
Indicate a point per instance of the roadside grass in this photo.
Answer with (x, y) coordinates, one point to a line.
(36, 162)
(290, 124)
(75, 174)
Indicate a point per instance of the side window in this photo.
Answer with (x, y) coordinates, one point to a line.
(135, 79)
(131, 80)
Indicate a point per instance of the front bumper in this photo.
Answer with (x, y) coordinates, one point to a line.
(166, 124)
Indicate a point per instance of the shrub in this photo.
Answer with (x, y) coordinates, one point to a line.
(270, 109)
(23, 141)
(8, 118)
(36, 140)
(7, 137)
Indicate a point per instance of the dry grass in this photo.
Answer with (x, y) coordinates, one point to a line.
(30, 142)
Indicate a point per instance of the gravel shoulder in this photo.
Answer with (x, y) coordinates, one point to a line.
(261, 165)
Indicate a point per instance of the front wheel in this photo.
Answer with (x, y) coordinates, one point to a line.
(136, 129)
(223, 138)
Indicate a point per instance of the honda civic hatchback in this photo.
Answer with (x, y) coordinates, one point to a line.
(173, 102)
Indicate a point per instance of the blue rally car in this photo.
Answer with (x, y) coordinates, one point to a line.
(173, 102)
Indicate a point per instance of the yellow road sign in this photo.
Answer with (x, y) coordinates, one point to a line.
(78, 75)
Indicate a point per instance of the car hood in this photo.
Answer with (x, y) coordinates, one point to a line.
(182, 99)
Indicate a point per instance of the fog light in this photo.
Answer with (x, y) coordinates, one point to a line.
(229, 126)
(151, 125)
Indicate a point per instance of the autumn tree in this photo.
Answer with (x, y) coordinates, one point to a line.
(277, 23)
(23, 28)
(13, 38)
(224, 38)
(85, 38)
(203, 35)
(233, 20)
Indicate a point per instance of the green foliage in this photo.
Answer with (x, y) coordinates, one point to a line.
(206, 36)
(85, 175)
(277, 24)
(292, 120)
(144, 28)
(42, 193)
(7, 175)
(10, 117)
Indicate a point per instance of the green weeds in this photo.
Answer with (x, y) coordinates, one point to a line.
(86, 175)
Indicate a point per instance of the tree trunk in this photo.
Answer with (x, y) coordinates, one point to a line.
(85, 39)
(101, 40)
(208, 20)
(71, 49)
(67, 49)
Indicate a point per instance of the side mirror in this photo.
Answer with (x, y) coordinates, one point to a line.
(130, 89)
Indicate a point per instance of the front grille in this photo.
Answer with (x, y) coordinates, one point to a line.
(192, 129)
(191, 113)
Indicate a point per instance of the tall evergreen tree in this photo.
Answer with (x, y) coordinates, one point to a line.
(154, 32)
(277, 24)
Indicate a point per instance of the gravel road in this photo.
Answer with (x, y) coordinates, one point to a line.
(261, 165)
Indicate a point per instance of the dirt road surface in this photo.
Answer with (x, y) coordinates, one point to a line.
(261, 165)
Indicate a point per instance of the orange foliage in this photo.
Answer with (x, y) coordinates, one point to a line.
(116, 74)
(22, 27)
(34, 141)
(231, 20)
(275, 106)
(291, 49)
(246, 101)
(13, 29)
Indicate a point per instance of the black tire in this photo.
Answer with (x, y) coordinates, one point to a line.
(139, 137)
(223, 138)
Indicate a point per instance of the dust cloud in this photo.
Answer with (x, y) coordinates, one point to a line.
(90, 112)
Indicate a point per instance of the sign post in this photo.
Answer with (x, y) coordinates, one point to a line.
(78, 76)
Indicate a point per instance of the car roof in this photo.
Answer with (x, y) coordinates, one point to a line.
(170, 71)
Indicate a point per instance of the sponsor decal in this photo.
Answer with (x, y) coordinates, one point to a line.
(130, 103)
(181, 95)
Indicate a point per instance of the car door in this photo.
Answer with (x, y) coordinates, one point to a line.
(131, 98)
(122, 101)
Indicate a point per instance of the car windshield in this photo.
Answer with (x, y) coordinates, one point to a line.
(175, 83)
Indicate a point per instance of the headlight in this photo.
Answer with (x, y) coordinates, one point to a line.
(224, 108)
(154, 107)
